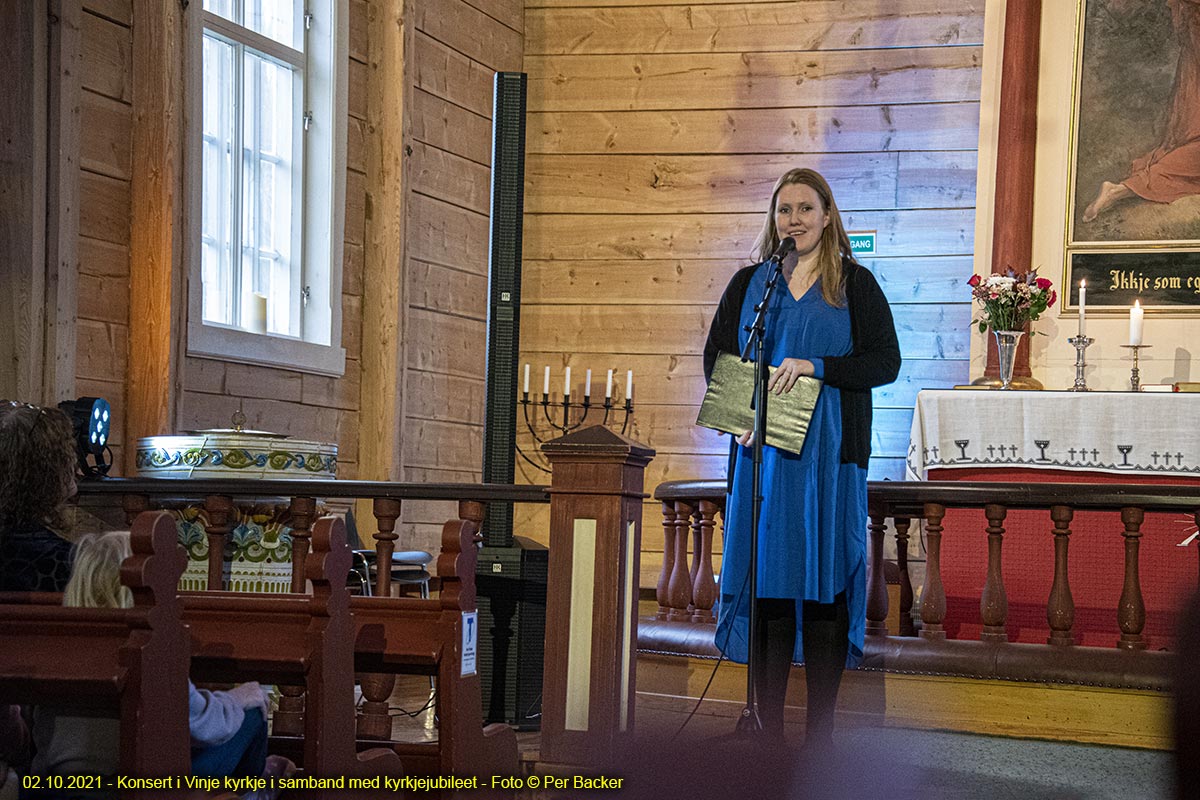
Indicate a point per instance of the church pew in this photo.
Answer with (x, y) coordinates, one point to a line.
(302, 640)
(131, 664)
(411, 635)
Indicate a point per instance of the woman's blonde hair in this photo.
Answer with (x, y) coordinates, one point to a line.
(835, 244)
(96, 572)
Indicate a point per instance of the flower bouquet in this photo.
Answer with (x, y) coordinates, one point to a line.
(1009, 302)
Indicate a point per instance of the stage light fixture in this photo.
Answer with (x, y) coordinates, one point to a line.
(91, 419)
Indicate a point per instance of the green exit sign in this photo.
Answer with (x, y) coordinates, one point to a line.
(862, 243)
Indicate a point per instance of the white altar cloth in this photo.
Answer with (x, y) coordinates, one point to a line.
(1117, 432)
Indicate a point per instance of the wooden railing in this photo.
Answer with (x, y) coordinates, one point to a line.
(687, 592)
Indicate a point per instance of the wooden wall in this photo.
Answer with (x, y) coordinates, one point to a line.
(105, 145)
(656, 131)
(454, 48)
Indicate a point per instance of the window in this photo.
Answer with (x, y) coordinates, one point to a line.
(267, 150)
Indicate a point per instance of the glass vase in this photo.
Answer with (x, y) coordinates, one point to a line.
(1006, 347)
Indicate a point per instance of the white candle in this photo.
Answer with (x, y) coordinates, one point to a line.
(567, 384)
(608, 386)
(1082, 308)
(526, 379)
(546, 382)
(629, 384)
(588, 380)
(1135, 323)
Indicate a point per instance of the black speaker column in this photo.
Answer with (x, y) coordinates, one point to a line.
(511, 576)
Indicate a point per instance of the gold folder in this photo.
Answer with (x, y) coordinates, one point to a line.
(727, 404)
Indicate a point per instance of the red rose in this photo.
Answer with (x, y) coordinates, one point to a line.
(1043, 283)
(974, 281)
(1053, 297)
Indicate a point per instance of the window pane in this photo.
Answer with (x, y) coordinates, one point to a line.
(269, 122)
(222, 8)
(218, 193)
(281, 20)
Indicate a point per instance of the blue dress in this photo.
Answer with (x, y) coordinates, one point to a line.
(812, 542)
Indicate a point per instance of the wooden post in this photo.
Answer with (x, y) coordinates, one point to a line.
(220, 510)
(1060, 608)
(591, 598)
(877, 599)
(1131, 613)
(704, 584)
(993, 604)
(1016, 145)
(154, 220)
(668, 561)
(679, 589)
(933, 598)
(906, 627)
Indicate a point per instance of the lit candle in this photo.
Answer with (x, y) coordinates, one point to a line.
(1082, 308)
(546, 382)
(567, 384)
(629, 384)
(1135, 323)
(608, 386)
(588, 380)
(526, 379)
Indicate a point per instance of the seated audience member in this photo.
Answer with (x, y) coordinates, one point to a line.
(228, 728)
(37, 473)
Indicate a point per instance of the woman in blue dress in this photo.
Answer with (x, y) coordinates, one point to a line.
(828, 319)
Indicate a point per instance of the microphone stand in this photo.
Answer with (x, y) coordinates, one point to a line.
(749, 723)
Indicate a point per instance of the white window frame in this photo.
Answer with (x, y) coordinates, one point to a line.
(318, 350)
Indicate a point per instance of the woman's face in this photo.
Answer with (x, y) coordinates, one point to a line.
(800, 214)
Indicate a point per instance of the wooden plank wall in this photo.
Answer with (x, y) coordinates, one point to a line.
(105, 155)
(656, 130)
(456, 47)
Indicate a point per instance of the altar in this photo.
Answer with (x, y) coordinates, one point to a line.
(1061, 437)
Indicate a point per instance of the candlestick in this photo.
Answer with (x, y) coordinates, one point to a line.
(608, 386)
(628, 385)
(575, 413)
(546, 383)
(1081, 344)
(587, 391)
(526, 389)
(1136, 317)
(567, 384)
(1134, 376)
(1082, 309)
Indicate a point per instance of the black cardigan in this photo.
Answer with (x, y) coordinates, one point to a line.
(873, 361)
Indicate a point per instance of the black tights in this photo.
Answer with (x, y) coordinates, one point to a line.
(826, 630)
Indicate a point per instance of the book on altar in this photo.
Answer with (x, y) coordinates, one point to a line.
(728, 404)
(1156, 387)
(1187, 386)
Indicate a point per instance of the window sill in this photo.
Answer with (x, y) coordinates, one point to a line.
(242, 347)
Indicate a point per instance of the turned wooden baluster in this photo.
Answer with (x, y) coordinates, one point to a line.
(907, 628)
(387, 511)
(679, 589)
(1131, 613)
(303, 512)
(933, 598)
(1060, 609)
(877, 598)
(993, 604)
(668, 563)
(374, 720)
(704, 585)
(132, 505)
(219, 509)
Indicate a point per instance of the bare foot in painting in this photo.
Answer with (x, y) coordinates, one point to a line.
(1110, 193)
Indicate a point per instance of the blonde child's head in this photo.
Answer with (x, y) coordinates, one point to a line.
(96, 572)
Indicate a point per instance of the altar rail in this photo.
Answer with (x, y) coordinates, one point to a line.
(687, 592)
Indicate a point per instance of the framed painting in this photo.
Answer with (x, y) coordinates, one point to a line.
(1133, 227)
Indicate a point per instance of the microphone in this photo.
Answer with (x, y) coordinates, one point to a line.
(786, 246)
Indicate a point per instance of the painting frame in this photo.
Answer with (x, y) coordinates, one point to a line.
(1132, 214)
